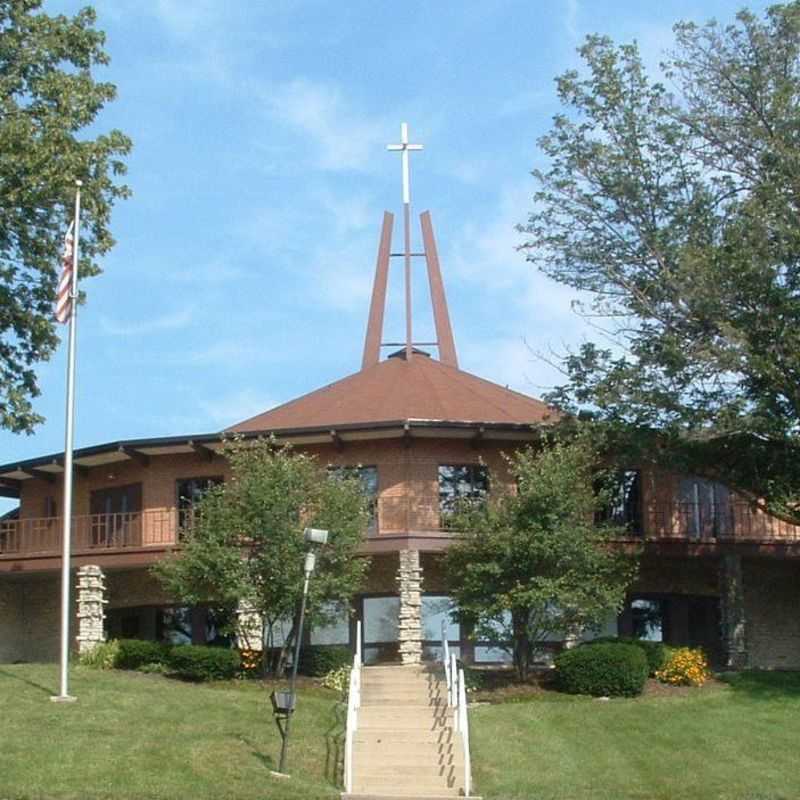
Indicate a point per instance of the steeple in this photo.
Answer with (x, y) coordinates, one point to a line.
(444, 332)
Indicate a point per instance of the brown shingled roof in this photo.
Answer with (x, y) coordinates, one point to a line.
(397, 390)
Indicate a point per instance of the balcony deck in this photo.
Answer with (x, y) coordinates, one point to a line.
(157, 530)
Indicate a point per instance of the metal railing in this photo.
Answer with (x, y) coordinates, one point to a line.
(457, 701)
(353, 704)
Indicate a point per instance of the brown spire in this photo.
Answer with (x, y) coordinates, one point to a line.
(372, 344)
(444, 333)
(441, 317)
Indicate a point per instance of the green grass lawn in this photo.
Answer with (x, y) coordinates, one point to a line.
(142, 737)
(145, 737)
(736, 742)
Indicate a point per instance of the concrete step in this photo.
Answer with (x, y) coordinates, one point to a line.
(416, 700)
(441, 737)
(410, 790)
(372, 796)
(405, 687)
(431, 727)
(417, 712)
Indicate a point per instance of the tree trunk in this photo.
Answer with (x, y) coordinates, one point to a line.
(522, 644)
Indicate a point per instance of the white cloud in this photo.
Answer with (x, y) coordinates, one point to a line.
(571, 19)
(174, 320)
(342, 138)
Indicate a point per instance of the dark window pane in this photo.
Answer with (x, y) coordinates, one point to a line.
(705, 507)
(369, 485)
(461, 482)
(218, 627)
(648, 619)
(175, 625)
(625, 501)
(190, 492)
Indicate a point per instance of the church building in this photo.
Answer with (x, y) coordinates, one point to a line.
(421, 434)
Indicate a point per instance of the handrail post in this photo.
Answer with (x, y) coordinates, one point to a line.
(464, 730)
(353, 704)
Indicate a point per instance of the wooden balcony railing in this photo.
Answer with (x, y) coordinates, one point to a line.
(90, 532)
(158, 528)
(736, 520)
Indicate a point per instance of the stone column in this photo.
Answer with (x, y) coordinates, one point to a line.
(91, 599)
(734, 642)
(409, 577)
(249, 628)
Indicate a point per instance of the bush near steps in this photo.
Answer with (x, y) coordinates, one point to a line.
(187, 661)
(607, 669)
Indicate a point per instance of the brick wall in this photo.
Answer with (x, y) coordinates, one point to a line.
(30, 614)
(771, 602)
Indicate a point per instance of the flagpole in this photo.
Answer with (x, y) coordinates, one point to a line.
(66, 535)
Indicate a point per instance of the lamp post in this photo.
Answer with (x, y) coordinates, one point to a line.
(283, 703)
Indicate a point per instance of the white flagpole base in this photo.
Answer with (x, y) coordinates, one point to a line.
(62, 698)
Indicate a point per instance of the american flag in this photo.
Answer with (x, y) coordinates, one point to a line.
(63, 300)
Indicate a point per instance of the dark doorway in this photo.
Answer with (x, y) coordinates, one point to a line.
(116, 516)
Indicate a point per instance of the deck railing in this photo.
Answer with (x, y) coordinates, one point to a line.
(90, 532)
(156, 528)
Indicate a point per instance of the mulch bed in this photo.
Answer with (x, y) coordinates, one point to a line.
(502, 686)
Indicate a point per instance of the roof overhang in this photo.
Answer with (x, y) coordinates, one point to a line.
(49, 467)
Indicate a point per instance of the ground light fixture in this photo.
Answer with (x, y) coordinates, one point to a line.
(284, 702)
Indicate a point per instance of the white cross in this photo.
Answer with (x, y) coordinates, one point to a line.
(404, 147)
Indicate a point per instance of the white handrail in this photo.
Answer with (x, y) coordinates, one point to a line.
(457, 700)
(353, 704)
(463, 728)
(453, 681)
(446, 660)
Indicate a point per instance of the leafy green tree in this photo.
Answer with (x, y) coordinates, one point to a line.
(536, 562)
(678, 211)
(48, 98)
(243, 547)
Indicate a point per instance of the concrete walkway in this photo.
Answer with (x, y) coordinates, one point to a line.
(405, 745)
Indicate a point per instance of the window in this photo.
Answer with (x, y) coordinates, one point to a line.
(647, 618)
(336, 629)
(460, 483)
(190, 491)
(704, 507)
(625, 501)
(369, 485)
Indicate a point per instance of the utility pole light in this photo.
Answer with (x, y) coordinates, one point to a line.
(283, 702)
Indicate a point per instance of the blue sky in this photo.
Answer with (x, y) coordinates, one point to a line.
(245, 256)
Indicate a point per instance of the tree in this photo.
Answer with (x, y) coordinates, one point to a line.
(47, 98)
(243, 547)
(537, 562)
(679, 213)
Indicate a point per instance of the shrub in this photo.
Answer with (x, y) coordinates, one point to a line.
(135, 653)
(250, 662)
(656, 653)
(338, 680)
(686, 667)
(607, 669)
(318, 660)
(200, 663)
(101, 656)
